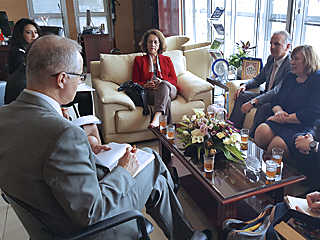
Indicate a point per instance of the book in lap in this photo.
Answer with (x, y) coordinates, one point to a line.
(292, 202)
(110, 158)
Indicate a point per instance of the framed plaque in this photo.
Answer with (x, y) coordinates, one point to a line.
(251, 67)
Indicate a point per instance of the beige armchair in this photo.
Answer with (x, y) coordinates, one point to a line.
(233, 86)
(121, 120)
(175, 42)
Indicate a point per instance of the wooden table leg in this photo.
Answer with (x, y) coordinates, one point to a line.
(278, 196)
(165, 154)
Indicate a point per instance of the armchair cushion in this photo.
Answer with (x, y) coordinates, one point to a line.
(117, 68)
(190, 85)
(109, 94)
(177, 59)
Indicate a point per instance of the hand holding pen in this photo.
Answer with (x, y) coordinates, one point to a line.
(313, 200)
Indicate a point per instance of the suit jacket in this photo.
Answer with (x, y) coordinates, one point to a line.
(140, 71)
(46, 161)
(264, 76)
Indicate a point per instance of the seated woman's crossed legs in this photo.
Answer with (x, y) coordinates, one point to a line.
(267, 139)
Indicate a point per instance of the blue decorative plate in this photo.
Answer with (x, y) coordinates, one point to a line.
(219, 67)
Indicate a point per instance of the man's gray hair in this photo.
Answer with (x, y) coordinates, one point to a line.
(288, 39)
(50, 55)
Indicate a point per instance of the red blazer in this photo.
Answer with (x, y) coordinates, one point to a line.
(140, 71)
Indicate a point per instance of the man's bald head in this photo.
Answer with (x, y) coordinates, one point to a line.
(49, 55)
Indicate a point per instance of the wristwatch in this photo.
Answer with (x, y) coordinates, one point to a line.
(253, 103)
(312, 145)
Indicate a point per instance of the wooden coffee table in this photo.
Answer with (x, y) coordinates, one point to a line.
(227, 192)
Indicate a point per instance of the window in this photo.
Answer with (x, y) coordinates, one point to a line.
(54, 9)
(98, 12)
(255, 21)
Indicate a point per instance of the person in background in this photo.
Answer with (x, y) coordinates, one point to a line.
(25, 31)
(156, 74)
(306, 153)
(313, 201)
(278, 64)
(55, 171)
(296, 106)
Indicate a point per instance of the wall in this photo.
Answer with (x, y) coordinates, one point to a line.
(15, 9)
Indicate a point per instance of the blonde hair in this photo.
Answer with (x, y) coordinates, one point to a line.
(144, 41)
(311, 58)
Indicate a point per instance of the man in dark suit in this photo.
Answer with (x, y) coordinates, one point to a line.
(278, 64)
(47, 163)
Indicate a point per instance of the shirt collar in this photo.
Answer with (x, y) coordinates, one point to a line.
(280, 61)
(50, 100)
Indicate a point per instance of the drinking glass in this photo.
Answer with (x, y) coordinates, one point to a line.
(271, 169)
(210, 111)
(277, 155)
(244, 138)
(208, 162)
(163, 124)
(170, 133)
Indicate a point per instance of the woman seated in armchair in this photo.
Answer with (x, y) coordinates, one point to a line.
(297, 104)
(156, 74)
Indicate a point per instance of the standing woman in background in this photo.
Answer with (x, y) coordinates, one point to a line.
(156, 73)
(24, 33)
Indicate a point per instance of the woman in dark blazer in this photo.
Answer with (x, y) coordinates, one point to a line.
(24, 33)
(156, 74)
(297, 104)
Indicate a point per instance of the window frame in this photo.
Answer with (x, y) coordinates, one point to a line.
(64, 18)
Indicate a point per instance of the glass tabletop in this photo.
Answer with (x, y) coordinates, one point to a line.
(232, 181)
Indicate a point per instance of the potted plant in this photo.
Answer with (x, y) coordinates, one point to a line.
(243, 51)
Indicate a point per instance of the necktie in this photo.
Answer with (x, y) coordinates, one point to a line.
(273, 74)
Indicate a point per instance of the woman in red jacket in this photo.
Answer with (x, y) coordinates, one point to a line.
(156, 74)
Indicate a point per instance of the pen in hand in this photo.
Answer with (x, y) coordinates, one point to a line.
(314, 201)
(133, 148)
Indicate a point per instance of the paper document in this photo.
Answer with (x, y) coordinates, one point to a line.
(89, 119)
(110, 158)
(292, 202)
(85, 88)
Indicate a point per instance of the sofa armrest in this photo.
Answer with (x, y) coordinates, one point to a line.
(109, 94)
(233, 87)
(95, 69)
(190, 85)
(189, 46)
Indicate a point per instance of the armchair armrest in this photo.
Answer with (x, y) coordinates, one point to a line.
(190, 85)
(233, 87)
(109, 94)
(144, 227)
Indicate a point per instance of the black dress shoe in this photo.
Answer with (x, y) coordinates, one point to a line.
(208, 233)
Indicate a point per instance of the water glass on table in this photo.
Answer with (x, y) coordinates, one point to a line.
(208, 162)
(170, 133)
(210, 111)
(163, 124)
(277, 155)
(271, 169)
(244, 138)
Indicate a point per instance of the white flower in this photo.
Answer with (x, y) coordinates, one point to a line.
(220, 135)
(185, 133)
(198, 139)
(193, 117)
(185, 119)
(234, 137)
(199, 112)
(197, 132)
(227, 141)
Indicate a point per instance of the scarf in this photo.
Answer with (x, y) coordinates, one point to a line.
(151, 67)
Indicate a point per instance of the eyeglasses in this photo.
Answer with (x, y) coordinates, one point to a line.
(83, 76)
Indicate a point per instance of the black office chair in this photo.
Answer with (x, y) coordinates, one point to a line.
(38, 228)
(51, 30)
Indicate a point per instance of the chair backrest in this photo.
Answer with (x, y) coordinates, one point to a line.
(52, 30)
(175, 42)
(34, 224)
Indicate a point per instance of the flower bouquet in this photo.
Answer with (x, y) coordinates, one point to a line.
(207, 134)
